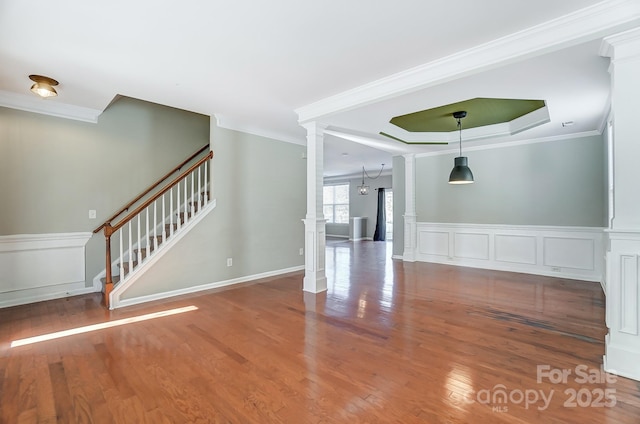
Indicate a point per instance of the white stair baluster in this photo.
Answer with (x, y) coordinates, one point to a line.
(164, 227)
(130, 250)
(199, 189)
(155, 225)
(121, 259)
(193, 209)
(178, 224)
(138, 243)
(206, 184)
(147, 233)
(185, 216)
(171, 211)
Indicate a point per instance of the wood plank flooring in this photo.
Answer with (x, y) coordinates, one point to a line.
(389, 342)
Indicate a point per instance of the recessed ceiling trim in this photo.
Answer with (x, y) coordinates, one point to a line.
(523, 123)
(531, 120)
(512, 143)
(29, 103)
(582, 25)
(412, 142)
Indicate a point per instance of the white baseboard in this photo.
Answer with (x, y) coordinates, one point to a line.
(337, 236)
(621, 360)
(564, 252)
(38, 267)
(188, 290)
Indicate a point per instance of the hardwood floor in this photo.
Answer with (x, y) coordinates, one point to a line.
(389, 342)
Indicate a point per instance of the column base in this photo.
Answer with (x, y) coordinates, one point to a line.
(620, 360)
(314, 283)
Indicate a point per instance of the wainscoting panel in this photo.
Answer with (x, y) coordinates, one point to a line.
(629, 294)
(568, 252)
(471, 246)
(515, 249)
(39, 267)
(433, 243)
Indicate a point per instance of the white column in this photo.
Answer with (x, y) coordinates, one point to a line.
(315, 279)
(410, 230)
(622, 343)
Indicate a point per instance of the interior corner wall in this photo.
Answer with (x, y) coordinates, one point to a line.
(398, 205)
(259, 185)
(54, 170)
(555, 183)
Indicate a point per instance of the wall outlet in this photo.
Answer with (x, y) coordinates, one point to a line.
(556, 269)
(301, 251)
(229, 261)
(92, 214)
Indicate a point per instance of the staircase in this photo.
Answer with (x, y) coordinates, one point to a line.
(159, 217)
(154, 242)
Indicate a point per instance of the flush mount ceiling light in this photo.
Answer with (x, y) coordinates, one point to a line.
(460, 174)
(43, 86)
(363, 190)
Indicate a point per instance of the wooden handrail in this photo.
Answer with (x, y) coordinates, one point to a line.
(148, 190)
(153, 198)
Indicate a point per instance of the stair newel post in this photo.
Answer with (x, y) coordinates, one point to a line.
(108, 284)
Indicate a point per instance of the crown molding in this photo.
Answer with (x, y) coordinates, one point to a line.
(52, 107)
(621, 46)
(228, 123)
(583, 25)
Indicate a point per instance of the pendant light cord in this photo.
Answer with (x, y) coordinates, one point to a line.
(364, 172)
(460, 132)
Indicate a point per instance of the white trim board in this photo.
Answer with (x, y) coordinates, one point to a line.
(583, 25)
(515, 143)
(188, 290)
(37, 267)
(564, 252)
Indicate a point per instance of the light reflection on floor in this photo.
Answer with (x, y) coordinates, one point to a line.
(376, 294)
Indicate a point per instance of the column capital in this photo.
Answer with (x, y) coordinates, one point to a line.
(314, 126)
(622, 46)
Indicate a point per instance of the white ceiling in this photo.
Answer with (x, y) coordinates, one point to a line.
(262, 66)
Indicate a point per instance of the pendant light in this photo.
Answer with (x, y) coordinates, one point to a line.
(363, 189)
(460, 174)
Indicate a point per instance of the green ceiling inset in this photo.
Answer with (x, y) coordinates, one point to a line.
(480, 112)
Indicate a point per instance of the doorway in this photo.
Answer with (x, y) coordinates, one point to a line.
(388, 211)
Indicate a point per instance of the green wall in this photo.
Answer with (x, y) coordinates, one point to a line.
(260, 188)
(53, 170)
(553, 183)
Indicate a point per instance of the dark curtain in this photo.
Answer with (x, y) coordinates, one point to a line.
(381, 221)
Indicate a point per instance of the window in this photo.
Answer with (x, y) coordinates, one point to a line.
(336, 203)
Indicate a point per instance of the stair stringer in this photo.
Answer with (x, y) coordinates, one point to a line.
(120, 288)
